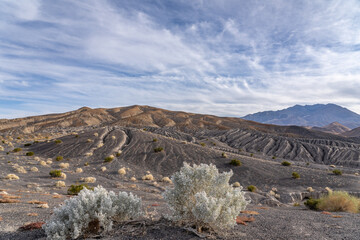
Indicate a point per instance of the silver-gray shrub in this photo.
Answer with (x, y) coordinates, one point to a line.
(202, 196)
(72, 219)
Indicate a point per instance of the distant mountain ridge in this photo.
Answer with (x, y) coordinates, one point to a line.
(334, 128)
(318, 115)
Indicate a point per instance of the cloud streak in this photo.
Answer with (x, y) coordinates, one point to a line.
(227, 58)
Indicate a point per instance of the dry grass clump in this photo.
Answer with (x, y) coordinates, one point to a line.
(339, 201)
(89, 140)
(310, 189)
(103, 169)
(63, 175)
(42, 163)
(88, 154)
(9, 200)
(60, 184)
(1, 148)
(149, 177)
(79, 170)
(36, 202)
(12, 177)
(133, 179)
(113, 137)
(109, 158)
(100, 145)
(122, 171)
(329, 190)
(48, 162)
(43, 205)
(166, 179)
(34, 169)
(36, 158)
(64, 165)
(20, 169)
(236, 184)
(96, 134)
(89, 179)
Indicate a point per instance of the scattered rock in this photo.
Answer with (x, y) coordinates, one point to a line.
(31, 226)
(250, 212)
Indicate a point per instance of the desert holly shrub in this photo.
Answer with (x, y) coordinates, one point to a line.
(59, 158)
(337, 172)
(75, 189)
(203, 197)
(30, 154)
(235, 162)
(252, 188)
(17, 150)
(55, 173)
(295, 175)
(285, 163)
(91, 211)
(158, 149)
(58, 141)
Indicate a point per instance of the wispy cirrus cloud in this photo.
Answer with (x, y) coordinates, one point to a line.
(220, 57)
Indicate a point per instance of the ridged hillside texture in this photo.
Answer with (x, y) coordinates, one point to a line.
(317, 115)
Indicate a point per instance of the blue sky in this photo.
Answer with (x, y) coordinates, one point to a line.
(222, 57)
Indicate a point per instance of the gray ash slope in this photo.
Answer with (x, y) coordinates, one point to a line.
(138, 154)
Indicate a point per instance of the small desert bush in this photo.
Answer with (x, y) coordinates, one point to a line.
(17, 150)
(27, 144)
(75, 189)
(60, 184)
(59, 158)
(79, 170)
(55, 173)
(295, 175)
(34, 169)
(286, 163)
(20, 169)
(155, 140)
(58, 141)
(158, 149)
(235, 162)
(122, 171)
(236, 184)
(109, 158)
(274, 157)
(12, 177)
(86, 164)
(202, 197)
(149, 177)
(166, 179)
(91, 211)
(203, 144)
(118, 154)
(64, 165)
(90, 180)
(312, 203)
(337, 172)
(251, 188)
(103, 169)
(42, 163)
(30, 154)
(223, 155)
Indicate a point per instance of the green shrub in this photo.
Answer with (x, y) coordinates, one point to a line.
(59, 158)
(36, 141)
(155, 140)
(55, 173)
(27, 144)
(76, 136)
(108, 159)
(337, 172)
(235, 162)
(58, 141)
(274, 157)
(17, 150)
(312, 203)
(158, 149)
(295, 175)
(223, 155)
(203, 144)
(75, 189)
(30, 154)
(18, 138)
(118, 154)
(7, 153)
(252, 188)
(251, 154)
(285, 163)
